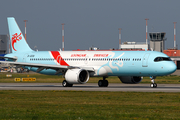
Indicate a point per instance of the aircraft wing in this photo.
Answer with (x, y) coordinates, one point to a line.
(41, 67)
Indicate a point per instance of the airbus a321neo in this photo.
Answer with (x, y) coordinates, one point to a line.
(78, 66)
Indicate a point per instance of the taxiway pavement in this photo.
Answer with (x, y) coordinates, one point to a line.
(91, 87)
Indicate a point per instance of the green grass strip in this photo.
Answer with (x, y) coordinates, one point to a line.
(81, 105)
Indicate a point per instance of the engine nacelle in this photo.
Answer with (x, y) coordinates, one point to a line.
(77, 76)
(130, 79)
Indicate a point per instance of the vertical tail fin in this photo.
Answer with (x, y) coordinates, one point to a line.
(18, 43)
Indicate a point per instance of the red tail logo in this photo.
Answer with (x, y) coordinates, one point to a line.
(15, 38)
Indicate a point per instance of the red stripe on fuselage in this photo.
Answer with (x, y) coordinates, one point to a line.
(56, 55)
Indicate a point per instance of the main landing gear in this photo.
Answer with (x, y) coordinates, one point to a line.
(66, 84)
(103, 83)
(153, 84)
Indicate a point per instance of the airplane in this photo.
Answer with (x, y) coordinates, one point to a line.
(77, 66)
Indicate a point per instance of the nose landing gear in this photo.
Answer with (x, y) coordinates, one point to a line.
(153, 84)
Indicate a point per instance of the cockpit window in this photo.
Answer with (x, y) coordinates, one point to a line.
(157, 59)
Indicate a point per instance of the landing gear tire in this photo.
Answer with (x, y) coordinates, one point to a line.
(103, 83)
(153, 85)
(100, 83)
(66, 84)
(106, 83)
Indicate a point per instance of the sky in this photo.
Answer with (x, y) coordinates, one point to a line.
(91, 22)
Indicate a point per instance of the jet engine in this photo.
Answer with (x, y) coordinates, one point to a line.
(130, 79)
(77, 76)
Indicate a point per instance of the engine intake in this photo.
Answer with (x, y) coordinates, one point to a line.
(130, 79)
(77, 76)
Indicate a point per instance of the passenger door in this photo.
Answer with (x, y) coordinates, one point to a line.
(145, 60)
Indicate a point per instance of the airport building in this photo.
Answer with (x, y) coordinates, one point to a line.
(3, 48)
(3, 44)
(134, 45)
(157, 43)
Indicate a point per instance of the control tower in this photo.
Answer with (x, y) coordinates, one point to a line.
(157, 41)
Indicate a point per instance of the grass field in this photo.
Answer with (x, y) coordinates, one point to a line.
(85, 105)
(171, 79)
(80, 105)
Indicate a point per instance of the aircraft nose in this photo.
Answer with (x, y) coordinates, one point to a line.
(172, 67)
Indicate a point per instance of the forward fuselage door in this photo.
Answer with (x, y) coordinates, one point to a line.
(145, 60)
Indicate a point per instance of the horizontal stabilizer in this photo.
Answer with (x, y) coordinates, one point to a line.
(9, 58)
